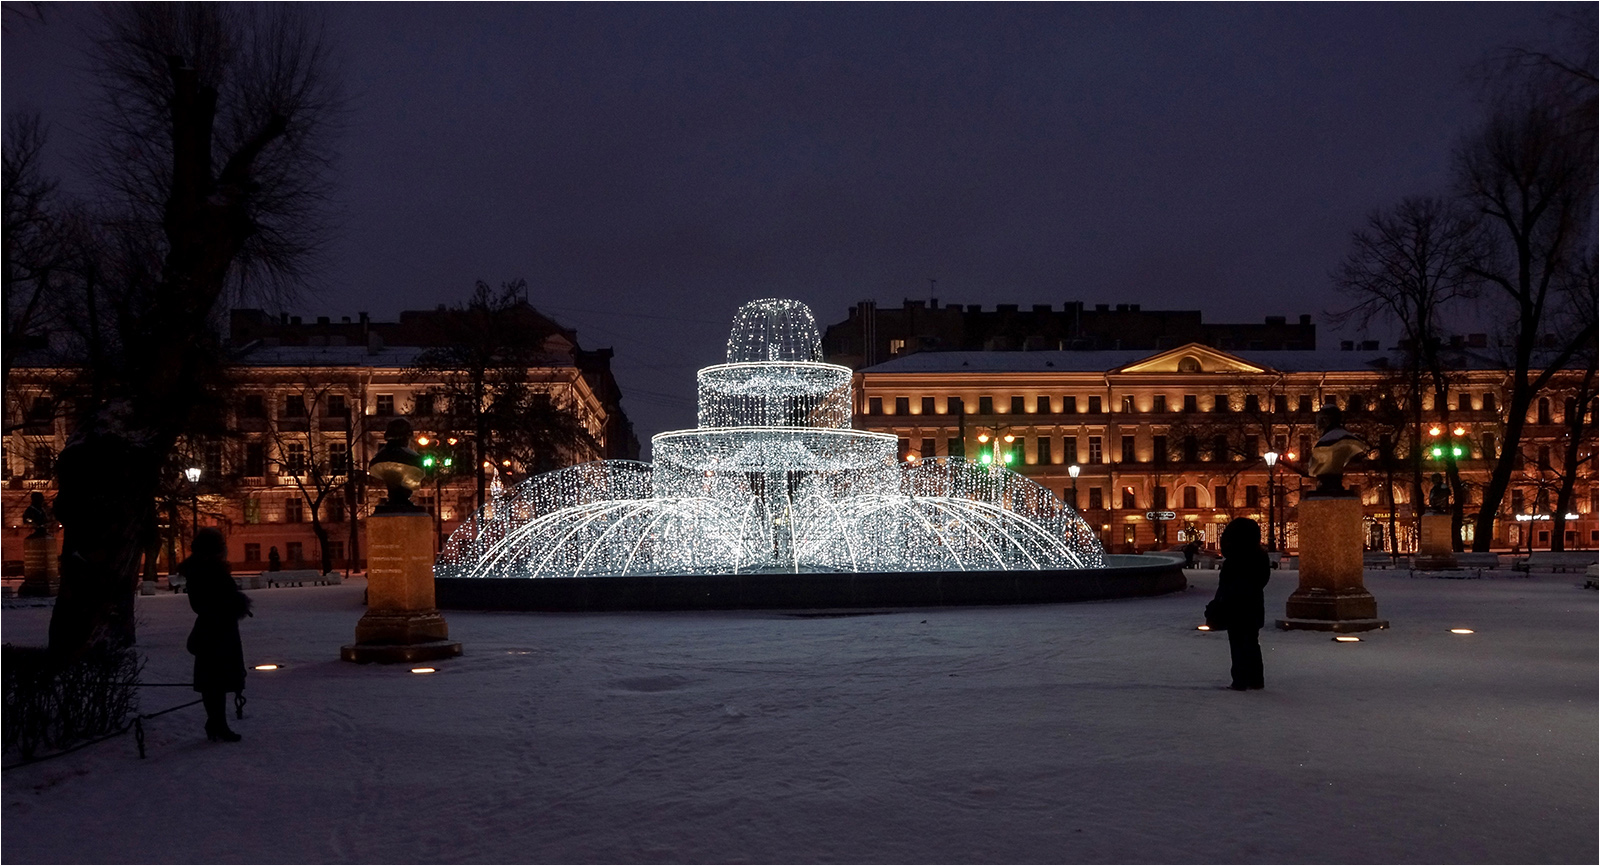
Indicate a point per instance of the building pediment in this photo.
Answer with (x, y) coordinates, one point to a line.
(1192, 358)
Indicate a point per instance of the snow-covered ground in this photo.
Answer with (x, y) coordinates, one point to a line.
(1057, 733)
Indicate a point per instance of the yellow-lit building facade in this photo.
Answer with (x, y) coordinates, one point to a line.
(1170, 445)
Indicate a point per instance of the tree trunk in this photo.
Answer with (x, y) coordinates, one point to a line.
(1577, 430)
(321, 532)
(1504, 467)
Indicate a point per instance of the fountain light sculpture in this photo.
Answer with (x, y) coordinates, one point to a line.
(773, 479)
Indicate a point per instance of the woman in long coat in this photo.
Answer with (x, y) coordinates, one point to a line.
(1239, 605)
(218, 605)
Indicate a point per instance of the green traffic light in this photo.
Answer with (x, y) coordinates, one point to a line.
(427, 462)
(1456, 451)
(1009, 455)
(985, 458)
(447, 462)
(1437, 453)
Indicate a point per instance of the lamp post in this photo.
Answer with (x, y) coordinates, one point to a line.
(193, 474)
(1001, 434)
(1073, 471)
(1272, 499)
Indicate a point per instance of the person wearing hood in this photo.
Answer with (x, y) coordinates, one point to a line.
(218, 653)
(1240, 606)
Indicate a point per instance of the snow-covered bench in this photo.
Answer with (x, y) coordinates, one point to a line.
(301, 577)
(1554, 562)
(1378, 559)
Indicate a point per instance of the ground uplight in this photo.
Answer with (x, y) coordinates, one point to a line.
(1347, 638)
(1202, 628)
(266, 667)
(1461, 631)
(422, 670)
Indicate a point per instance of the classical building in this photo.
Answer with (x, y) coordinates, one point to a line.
(308, 402)
(1169, 444)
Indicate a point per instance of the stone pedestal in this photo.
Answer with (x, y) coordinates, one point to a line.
(1331, 596)
(401, 623)
(41, 568)
(1435, 552)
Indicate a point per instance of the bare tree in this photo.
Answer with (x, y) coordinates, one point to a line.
(1409, 265)
(34, 255)
(312, 447)
(1529, 173)
(483, 369)
(212, 161)
(1580, 405)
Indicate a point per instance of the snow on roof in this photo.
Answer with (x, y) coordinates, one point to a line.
(1104, 360)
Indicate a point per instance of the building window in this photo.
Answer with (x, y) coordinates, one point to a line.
(1252, 447)
(1042, 405)
(295, 552)
(338, 406)
(294, 406)
(1191, 403)
(1219, 448)
(213, 459)
(1127, 449)
(874, 405)
(41, 410)
(333, 508)
(1222, 498)
(929, 450)
(1488, 446)
(1069, 449)
(385, 404)
(1191, 497)
(294, 510)
(255, 459)
(1252, 496)
(1069, 495)
(1355, 403)
(1159, 447)
(1096, 498)
(1544, 456)
(985, 405)
(1094, 406)
(336, 551)
(252, 552)
(1127, 403)
(1129, 500)
(1280, 404)
(1518, 502)
(1305, 447)
(1188, 364)
(1159, 500)
(1219, 403)
(1305, 404)
(44, 461)
(927, 406)
(1045, 457)
(1544, 410)
(254, 406)
(294, 458)
(1191, 449)
(954, 406)
(252, 510)
(955, 447)
(1252, 403)
(905, 449)
(1094, 450)
(1158, 403)
(1464, 402)
(1018, 405)
(1488, 403)
(1069, 405)
(902, 405)
(896, 346)
(338, 458)
(422, 404)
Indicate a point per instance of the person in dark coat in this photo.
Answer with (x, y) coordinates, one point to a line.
(218, 605)
(274, 562)
(1239, 602)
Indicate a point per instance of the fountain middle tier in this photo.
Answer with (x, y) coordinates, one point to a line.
(773, 449)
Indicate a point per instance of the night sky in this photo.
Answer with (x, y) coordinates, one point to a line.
(649, 168)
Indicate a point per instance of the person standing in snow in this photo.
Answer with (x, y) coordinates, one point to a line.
(214, 642)
(1240, 606)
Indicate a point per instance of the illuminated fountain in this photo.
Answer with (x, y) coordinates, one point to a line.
(772, 482)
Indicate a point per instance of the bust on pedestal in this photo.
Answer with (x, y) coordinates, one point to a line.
(402, 623)
(1435, 550)
(41, 572)
(1332, 596)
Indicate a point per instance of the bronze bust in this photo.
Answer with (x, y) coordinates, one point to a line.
(1333, 451)
(1439, 496)
(398, 468)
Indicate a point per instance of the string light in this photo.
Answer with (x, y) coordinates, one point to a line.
(772, 480)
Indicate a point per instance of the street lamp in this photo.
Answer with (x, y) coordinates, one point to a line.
(193, 474)
(1073, 471)
(1272, 499)
(1002, 434)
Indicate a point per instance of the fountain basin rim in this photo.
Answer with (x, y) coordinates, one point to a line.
(1121, 577)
